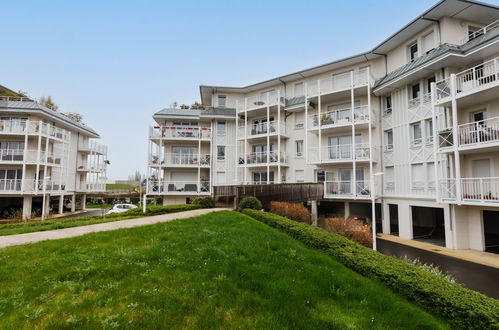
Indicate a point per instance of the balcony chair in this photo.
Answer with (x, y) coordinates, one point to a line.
(191, 187)
(171, 187)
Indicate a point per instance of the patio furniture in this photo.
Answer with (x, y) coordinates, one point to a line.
(191, 187)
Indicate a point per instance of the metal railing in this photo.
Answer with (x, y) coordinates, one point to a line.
(423, 99)
(271, 127)
(261, 101)
(343, 152)
(91, 166)
(471, 79)
(30, 186)
(170, 159)
(483, 31)
(93, 146)
(359, 189)
(340, 117)
(180, 132)
(263, 158)
(178, 187)
(22, 126)
(469, 134)
(339, 82)
(485, 190)
(17, 155)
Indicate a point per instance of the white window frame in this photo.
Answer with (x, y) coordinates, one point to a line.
(299, 148)
(224, 98)
(416, 141)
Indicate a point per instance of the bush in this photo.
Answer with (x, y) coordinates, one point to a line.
(206, 202)
(353, 229)
(249, 203)
(462, 307)
(292, 211)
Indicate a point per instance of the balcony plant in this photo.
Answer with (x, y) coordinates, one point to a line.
(326, 119)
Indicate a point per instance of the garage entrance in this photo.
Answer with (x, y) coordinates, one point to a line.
(393, 209)
(364, 211)
(491, 231)
(428, 225)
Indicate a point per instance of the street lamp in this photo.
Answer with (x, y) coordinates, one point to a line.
(373, 207)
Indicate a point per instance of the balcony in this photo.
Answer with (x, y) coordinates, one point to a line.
(85, 166)
(339, 82)
(180, 160)
(262, 101)
(476, 79)
(479, 134)
(341, 154)
(420, 107)
(341, 118)
(92, 147)
(347, 190)
(30, 186)
(16, 156)
(271, 158)
(188, 133)
(473, 191)
(23, 127)
(179, 188)
(91, 187)
(260, 130)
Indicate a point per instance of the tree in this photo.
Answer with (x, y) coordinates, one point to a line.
(184, 106)
(135, 176)
(197, 106)
(48, 102)
(75, 117)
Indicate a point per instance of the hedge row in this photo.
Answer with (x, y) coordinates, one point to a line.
(462, 307)
(151, 210)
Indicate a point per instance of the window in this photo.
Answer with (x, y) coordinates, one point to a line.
(261, 177)
(221, 127)
(418, 176)
(221, 152)
(222, 101)
(428, 42)
(413, 51)
(388, 140)
(429, 131)
(299, 148)
(299, 175)
(416, 137)
(388, 105)
(184, 155)
(268, 95)
(389, 177)
(320, 175)
(220, 177)
(299, 120)
(428, 84)
(479, 117)
(299, 89)
(340, 147)
(415, 91)
(430, 175)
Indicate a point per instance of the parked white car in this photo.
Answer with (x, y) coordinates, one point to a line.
(120, 208)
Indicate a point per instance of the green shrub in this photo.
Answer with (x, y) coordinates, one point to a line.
(462, 307)
(206, 202)
(250, 203)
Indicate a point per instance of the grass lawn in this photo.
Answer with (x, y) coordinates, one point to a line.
(221, 270)
(101, 206)
(32, 226)
(112, 186)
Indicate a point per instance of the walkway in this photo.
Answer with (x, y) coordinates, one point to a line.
(473, 275)
(83, 230)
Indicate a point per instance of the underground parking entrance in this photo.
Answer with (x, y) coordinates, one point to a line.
(428, 225)
(491, 231)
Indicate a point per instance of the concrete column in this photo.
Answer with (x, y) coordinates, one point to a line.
(385, 224)
(27, 204)
(314, 213)
(61, 204)
(73, 203)
(83, 201)
(450, 226)
(165, 201)
(476, 229)
(405, 220)
(47, 206)
(347, 209)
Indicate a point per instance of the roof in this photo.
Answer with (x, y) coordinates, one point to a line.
(208, 113)
(461, 9)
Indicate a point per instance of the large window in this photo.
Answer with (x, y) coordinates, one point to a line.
(340, 147)
(428, 84)
(184, 155)
(428, 42)
(260, 126)
(261, 177)
(221, 127)
(222, 101)
(418, 176)
(429, 131)
(320, 175)
(413, 51)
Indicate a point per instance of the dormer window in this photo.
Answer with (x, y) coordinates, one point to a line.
(222, 101)
(413, 51)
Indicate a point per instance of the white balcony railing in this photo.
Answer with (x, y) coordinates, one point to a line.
(340, 117)
(91, 166)
(180, 132)
(483, 132)
(261, 101)
(172, 159)
(417, 101)
(484, 190)
(91, 187)
(178, 187)
(94, 147)
(257, 158)
(17, 156)
(359, 189)
(23, 126)
(470, 80)
(343, 152)
(271, 127)
(338, 82)
(481, 32)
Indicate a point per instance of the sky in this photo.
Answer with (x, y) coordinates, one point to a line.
(118, 62)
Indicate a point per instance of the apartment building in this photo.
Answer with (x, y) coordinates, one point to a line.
(411, 123)
(48, 162)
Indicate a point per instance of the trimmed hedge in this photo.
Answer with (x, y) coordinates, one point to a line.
(206, 202)
(462, 307)
(250, 203)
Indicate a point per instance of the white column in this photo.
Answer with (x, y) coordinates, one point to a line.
(236, 168)
(61, 204)
(83, 201)
(27, 207)
(455, 138)
(73, 202)
(354, 160)
(347, 210)
(314, 213)
(245, 156)
(386, 218)
(319, 106)
(278, 136)
(306, 122)
(268, 138)
(436, 140)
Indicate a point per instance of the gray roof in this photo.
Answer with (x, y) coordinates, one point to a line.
(211, 112)
(443, 50)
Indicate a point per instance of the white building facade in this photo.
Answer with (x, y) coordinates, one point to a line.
(47, 160)
(419, 110)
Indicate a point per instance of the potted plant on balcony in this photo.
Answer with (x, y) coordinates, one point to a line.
(154, 159)
(445, 138)
(326, 119)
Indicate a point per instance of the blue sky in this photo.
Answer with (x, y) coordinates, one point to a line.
(118, 62)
